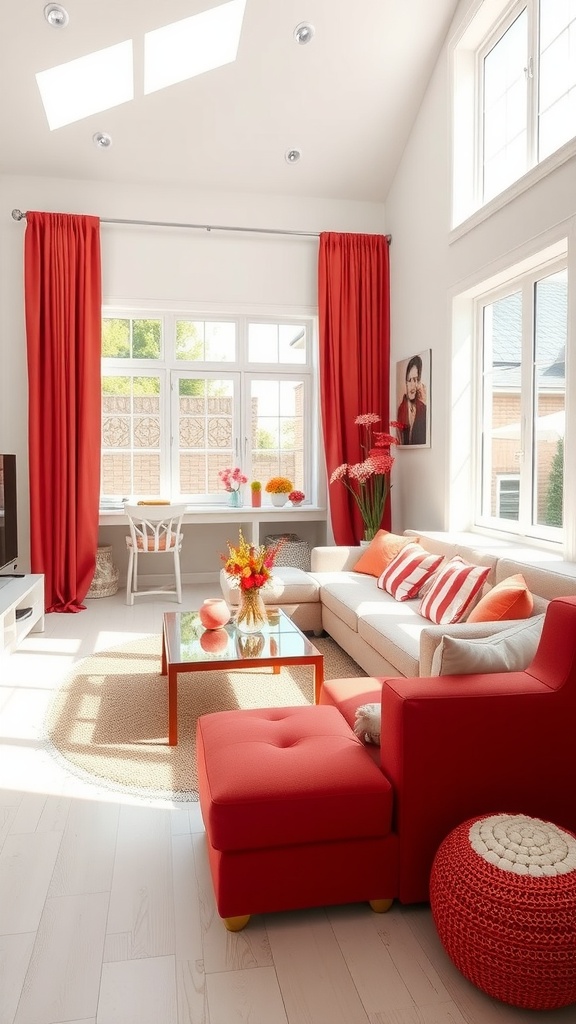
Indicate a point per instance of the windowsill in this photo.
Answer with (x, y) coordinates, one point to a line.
(502, 545)
(534, 175)
(222, 513)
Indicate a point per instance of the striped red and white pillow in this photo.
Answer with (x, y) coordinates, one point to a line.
(408, 572)
(454, 591)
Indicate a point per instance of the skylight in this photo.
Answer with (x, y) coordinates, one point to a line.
(190, 47)
(85, 86)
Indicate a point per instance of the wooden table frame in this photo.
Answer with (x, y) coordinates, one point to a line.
(171, 667)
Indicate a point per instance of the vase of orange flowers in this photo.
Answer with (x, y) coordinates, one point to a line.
(369, 480)
(251, 566)
(279, 488)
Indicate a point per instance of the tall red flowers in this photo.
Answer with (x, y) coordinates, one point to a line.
(369, 481)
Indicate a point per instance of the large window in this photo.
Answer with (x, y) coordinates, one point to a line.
(186, 396)
(514, 95)
(522, 333)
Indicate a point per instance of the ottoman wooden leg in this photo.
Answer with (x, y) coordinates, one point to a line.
(236, 924)
(381, 906)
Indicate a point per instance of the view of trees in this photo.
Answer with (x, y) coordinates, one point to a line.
(554, 510)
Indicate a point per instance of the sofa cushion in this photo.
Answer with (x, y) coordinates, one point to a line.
(351, 595)
(288, 776)
(380, 552)
(407, 573)
(394, 633)
(511, 650)
(455, 588)
(509, 599)
(287, 585)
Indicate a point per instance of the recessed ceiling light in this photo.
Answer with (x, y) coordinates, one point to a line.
(56, 15)
(303, 32)
(102, 140)
(292, 156)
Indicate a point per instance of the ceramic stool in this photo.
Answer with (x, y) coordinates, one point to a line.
(503, 898)
(296, 814)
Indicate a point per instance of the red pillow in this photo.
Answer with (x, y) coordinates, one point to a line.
(455, 589)
(380, 552)
(408, 572)
(509, 599)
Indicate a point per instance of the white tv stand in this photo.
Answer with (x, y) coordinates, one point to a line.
(27, 592)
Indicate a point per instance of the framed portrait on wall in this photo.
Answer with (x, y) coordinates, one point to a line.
(413, 400)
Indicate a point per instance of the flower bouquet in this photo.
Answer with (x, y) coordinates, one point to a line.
(279, 487)
(369, 481)
(251, 565)
(296, 497)
(233, 480)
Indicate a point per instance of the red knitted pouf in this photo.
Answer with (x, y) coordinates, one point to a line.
(503, 899)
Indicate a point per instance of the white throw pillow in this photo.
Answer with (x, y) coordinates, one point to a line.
(367, 724)
(511, 650)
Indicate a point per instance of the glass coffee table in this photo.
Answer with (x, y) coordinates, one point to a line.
(188, 647)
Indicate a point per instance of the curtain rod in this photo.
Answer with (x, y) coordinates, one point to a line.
(18, 215)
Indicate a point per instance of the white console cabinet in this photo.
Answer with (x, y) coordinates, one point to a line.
(16, 595)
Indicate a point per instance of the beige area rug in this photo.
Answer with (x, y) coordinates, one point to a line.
(109, 719)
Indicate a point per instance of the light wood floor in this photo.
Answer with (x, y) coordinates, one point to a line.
(106, 907)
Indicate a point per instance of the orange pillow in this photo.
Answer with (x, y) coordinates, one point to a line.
(509, 599)
(380, 552)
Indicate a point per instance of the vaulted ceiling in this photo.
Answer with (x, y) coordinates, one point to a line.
(346, 100)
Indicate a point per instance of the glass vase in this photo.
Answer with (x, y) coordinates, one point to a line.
(235, 498)
(251, 616)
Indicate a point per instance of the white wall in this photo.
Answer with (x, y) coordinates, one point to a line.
(431, 487)
(240, 271)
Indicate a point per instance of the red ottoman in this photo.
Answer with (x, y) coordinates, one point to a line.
(503, 898)
(296, 812)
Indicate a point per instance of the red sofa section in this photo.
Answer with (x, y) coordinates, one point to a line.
(299, 812)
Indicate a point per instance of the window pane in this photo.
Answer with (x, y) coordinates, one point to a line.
(205, 341)
(502, 359)
(277, 343)
(505, 109)
(136, 339)
(146, 339)
(557, 81)
(551, 311)
(130, 436)
(115, 338)
(205, 433)
(277, 430)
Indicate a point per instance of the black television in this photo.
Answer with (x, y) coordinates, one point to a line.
(8, 511)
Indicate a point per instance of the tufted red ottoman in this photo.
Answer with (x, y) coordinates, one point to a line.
(503, 898)
(297, 814)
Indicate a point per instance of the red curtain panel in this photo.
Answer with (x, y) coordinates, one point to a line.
(354, 322)
(63, 298)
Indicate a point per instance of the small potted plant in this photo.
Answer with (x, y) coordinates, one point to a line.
(296, 498)
(256, 488)
(279, 488)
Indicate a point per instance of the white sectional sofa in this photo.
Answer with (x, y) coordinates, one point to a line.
(388, 637)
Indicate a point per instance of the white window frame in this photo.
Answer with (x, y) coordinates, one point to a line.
(525, 283)
(485, 22)
(170, 370)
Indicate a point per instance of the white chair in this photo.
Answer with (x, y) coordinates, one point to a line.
(154, 530)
